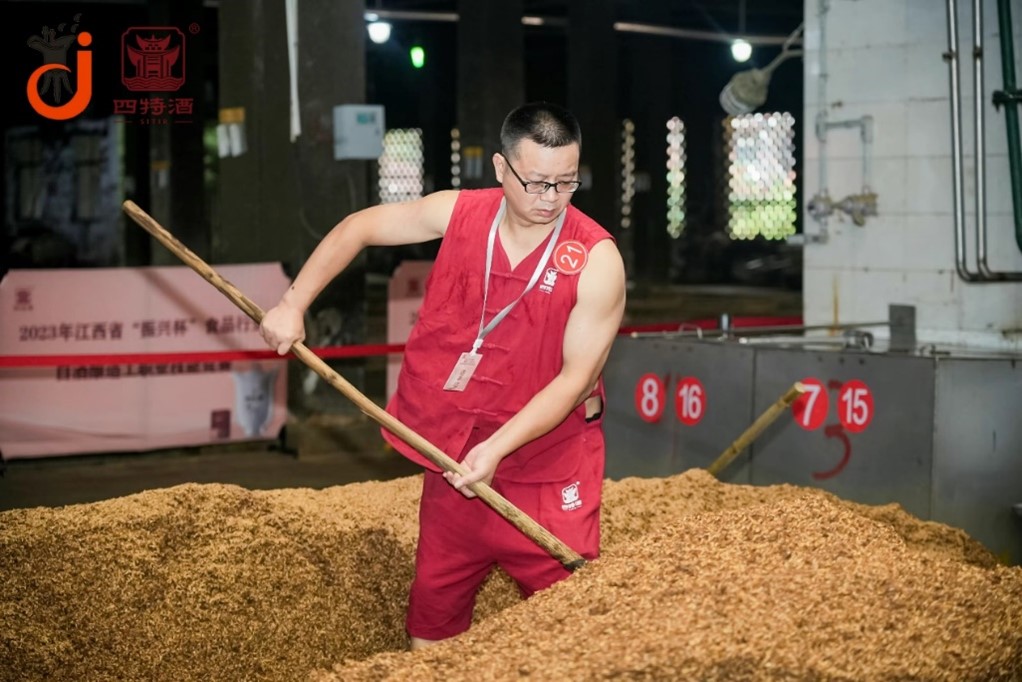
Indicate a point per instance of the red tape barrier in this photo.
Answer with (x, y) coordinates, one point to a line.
(328, 352)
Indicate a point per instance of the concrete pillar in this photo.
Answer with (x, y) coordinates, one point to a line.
(278, 197)
(253, 95)
(648, 83)
(491, 81)
(177, 196)
(593, 98)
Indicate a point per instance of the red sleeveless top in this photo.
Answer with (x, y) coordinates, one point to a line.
(519, 357)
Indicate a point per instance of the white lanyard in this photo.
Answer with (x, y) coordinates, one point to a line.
(486, 329)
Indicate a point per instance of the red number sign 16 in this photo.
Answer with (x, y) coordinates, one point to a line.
(690, 401)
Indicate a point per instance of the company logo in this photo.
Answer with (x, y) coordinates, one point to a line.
(52, 78)
(153, 59)
(549, 280)
(570, 497)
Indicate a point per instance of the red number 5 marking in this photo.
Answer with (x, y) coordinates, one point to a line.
(836, 431)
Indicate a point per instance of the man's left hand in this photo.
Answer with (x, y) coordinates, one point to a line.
(481, 462)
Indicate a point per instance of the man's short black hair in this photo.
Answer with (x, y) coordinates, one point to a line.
(548, 125)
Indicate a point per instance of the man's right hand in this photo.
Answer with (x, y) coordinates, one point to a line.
(283, 326)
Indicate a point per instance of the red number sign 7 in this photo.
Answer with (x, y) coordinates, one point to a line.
(810, 408)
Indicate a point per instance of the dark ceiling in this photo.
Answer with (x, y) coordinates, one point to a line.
(774, 17)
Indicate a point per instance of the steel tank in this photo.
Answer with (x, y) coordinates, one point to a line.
(937, 432)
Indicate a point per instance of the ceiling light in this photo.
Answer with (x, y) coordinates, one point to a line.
(379, 31)
(741, 50)
(747, 90)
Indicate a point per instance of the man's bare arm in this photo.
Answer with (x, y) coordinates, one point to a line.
(410, 222)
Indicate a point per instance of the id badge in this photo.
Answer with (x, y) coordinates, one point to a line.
(463, 371)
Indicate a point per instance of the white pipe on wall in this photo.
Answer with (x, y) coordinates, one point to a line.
(821, 206)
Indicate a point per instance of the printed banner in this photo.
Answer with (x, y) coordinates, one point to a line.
(46, 411)
(405, 292)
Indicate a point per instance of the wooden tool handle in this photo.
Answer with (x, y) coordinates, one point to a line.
(764, 420)
(535, 532)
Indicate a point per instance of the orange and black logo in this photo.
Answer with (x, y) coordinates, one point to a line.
(47, 85)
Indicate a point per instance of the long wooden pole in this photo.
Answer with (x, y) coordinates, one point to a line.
(535, 532)
(764, 420)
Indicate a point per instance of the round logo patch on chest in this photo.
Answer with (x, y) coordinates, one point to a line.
(570, 257)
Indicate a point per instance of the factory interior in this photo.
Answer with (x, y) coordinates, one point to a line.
(813, 456)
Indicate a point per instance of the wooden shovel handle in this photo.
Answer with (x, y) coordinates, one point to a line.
(519, 519)
(750, 434)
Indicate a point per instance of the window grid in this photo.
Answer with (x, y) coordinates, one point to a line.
(675, 177)
(401, 165)
(761, 175)
(455, 158)
(627, 171)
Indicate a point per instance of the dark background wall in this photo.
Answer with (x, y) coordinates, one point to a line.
(275, 203)
(655, 78)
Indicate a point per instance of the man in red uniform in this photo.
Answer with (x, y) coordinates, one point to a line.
(502, 369)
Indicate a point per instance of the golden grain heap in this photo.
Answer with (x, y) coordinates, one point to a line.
(699, 580)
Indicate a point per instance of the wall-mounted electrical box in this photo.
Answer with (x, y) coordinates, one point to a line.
(358, 131)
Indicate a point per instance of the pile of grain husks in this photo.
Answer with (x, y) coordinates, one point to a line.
(699, 580)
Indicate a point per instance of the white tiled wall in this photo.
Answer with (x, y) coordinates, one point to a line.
(884, 59)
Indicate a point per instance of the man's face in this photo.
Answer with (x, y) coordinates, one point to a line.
(535, 163)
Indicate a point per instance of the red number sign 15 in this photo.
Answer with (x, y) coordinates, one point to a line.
(855, 405)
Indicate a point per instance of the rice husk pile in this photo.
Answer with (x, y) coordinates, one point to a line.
(698, 580)
(205, 582)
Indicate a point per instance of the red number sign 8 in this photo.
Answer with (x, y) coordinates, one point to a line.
(650, 394)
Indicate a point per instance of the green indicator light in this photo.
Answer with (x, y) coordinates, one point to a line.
(418, 56)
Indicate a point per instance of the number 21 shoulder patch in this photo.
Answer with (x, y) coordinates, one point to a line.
(570, 257)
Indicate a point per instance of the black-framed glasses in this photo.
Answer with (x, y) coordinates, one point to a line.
(540, 187)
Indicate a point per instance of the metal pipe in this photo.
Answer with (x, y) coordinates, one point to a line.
(820, 206)
(983, 273)
(979, 94)
(1009, 98)
(979, 137)
(744, 331)
(958, 192)
(409, 15)
(865, 126)
(823, 8)
(867, 153)
(692, 34)
(805, 341)
(621, 26)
